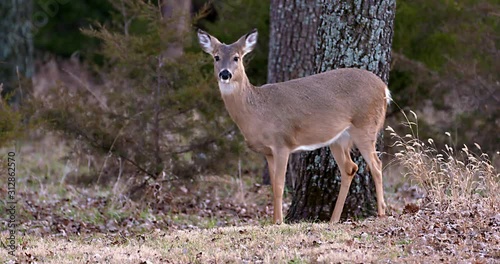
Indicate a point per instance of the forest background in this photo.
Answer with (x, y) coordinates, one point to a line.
(163, 152)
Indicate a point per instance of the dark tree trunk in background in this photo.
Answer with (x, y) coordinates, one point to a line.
(293, 39)
(351, 33)
(16, 45)
(176, 18)
(291, 51)
(177, 13)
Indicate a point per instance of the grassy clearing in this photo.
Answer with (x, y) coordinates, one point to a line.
(298, 243)
(419, 238)
(446, 209)
(50, 203)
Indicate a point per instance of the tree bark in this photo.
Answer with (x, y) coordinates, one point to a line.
(16, 45)
(353, 33)
(177, 16)
(291, 52)
(293, 38)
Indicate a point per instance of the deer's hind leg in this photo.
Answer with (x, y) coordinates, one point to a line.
(365, 141)
(341, 152)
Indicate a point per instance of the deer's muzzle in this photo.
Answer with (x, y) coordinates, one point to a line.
(225, 75)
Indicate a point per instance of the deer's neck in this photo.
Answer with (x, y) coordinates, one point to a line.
(238, 99)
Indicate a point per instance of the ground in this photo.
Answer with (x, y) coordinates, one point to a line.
(393, 239)
(226, 219)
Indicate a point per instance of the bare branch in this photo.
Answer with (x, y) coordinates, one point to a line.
(85, 85)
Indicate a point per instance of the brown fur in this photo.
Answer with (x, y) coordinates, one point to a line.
(308, 110)
(276, 119)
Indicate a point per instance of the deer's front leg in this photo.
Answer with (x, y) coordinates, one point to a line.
(280, 158)
(270, 167)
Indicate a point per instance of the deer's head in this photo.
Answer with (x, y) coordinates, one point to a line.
(228, 59)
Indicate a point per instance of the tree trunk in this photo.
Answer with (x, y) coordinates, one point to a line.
(291, 51)
(16, 46)
(351, 33)
(293, 38)
(177, 15)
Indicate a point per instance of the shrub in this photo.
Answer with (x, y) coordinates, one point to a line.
(10, 121)
(451, 178)
(160, 115)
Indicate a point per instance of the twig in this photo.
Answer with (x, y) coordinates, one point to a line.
(126, 22)
(1, 98)
(185, 149)
(120, 171)
(19, 81)
(103, 105)
(156, 121)
(110, 151)
(419, 66)
(81, 133)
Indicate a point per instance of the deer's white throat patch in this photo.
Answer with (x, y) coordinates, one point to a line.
(226, 87)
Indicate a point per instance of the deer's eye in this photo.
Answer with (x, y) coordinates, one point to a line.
(236, 58)
(217, 58)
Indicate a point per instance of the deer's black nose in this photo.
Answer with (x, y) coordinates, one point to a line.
(225, 75)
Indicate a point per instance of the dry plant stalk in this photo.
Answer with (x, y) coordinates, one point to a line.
(451, 178)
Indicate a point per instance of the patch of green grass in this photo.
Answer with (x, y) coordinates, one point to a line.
(403, 242)
(297, 260)
(210, 223)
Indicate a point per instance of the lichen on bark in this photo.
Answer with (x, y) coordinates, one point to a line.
(356, 34)
(16, 44)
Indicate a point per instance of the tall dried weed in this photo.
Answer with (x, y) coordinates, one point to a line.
(451, 177)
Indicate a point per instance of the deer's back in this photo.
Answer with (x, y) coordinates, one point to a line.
(343, 91)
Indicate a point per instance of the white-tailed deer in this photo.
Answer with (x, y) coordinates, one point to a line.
(335, 108)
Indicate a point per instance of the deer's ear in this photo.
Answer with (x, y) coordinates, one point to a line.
(207, 42)
(249, 41)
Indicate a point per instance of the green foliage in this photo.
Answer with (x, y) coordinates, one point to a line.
(437, 32)
(446, 58)
(433, 32)
(424, 39)
(57, 24)
(159, 114)
(10, 123)
(441, 48)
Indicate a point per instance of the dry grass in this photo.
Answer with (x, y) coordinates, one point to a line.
(298, 243)
(451, 178)
(223, 220)
(403, 239)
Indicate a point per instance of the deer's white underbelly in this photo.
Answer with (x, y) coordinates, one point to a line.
(342, 138)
